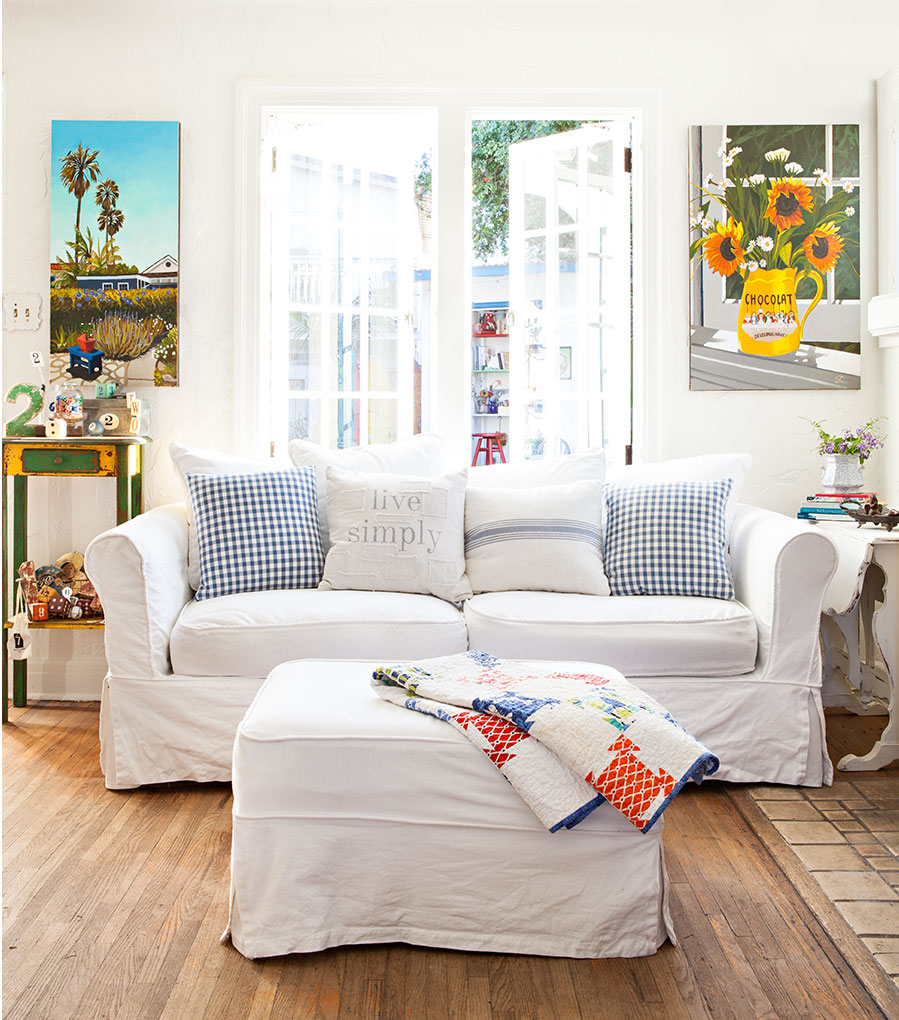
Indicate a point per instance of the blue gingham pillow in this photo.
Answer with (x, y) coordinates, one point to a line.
(256, 532)
(668, 539)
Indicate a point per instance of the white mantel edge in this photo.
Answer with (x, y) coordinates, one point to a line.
(883, 319)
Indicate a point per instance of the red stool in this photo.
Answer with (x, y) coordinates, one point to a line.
(488, 442)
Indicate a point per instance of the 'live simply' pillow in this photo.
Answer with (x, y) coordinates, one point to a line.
(542, 539)
(210, 462)
(392, 533)
(668, 539)
(420, 455)
(256, 532)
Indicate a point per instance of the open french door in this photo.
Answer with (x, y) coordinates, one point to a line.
(570, 256)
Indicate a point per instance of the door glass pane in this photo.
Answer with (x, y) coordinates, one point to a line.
(344, 425)
(303, 422)
(344, 346)
(382, 420)
(383, 344)
(304, 366)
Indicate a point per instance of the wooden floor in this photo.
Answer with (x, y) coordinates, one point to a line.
(114, 903)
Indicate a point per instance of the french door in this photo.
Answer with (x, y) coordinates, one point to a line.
(570, 292)
(347, 306)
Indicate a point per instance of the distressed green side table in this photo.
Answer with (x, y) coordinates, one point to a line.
(120, 457)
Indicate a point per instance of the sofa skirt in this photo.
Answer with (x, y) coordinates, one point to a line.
(304, 884)
(179, 727)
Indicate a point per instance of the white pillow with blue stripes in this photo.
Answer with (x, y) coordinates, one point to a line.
(668, 538)
(256, 532)
(540, 539)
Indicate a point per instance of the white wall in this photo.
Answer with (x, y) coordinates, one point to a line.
(708, 62)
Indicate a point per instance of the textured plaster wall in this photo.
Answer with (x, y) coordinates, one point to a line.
(180, 59)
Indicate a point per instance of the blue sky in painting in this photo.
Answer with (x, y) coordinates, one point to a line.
(141, 156)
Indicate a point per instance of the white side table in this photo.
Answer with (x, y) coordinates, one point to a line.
(850, 602)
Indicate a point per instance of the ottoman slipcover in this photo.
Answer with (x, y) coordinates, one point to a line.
(357, 821)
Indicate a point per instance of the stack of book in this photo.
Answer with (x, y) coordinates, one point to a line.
(825, 506)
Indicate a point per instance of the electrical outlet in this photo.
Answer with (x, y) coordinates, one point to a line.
(21, 311)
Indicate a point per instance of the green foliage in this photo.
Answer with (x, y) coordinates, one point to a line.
(125, 337)
(490, 141)
(74, 310)
(166, 371)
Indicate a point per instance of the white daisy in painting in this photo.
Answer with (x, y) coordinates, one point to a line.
(732, 155)
(750, 266)
(822, 175)
(848, 188)
(777, 155)
(793, 168)
(765, 243)
(850, 210)
(757, 179)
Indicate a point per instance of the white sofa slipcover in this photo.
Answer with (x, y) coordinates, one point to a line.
(181, 675)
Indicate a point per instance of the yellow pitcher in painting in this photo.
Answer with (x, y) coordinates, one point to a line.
(768, 321)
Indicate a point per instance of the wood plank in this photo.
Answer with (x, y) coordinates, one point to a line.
(115, 903)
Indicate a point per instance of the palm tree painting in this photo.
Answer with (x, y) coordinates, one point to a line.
(79, 171)
(118, 281)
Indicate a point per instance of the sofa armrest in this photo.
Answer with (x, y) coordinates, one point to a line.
(781, 569)
(140, 572)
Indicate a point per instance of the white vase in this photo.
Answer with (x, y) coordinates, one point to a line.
(843, 472)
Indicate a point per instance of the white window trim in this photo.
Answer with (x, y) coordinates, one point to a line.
(450, 403)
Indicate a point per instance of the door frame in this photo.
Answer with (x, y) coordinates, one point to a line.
(450, 401)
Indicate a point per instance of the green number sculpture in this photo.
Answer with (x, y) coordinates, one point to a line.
(19, 426)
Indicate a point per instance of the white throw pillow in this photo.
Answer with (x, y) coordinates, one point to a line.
(395, 533)
(420, 455)
(192, 460)
(708, 467)
(541, 539)
(576, 467)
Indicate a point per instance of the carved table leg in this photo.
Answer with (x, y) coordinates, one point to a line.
(884, 627)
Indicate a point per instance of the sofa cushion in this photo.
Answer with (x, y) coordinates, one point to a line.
(540, 539)
(640, 635)
(706, 467)
(251, 633)
(193, 460)
(256, 532)
(589, 466)
(668, 538)
(396, 533)
(420, 455)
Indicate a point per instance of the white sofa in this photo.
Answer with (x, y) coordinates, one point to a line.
(744, 676)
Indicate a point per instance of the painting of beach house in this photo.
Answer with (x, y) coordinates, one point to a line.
(114, 232)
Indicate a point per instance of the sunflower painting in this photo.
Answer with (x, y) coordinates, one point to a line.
(774, 257)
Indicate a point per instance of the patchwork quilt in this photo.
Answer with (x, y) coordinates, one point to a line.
(567, 736)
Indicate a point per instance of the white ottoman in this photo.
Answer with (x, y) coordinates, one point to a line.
(359, 821)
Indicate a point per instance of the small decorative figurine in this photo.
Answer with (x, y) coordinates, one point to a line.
(56, 429)
(21, 424)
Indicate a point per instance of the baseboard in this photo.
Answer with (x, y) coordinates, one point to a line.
(78, 679)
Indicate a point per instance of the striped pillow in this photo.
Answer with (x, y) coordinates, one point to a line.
(542, 539)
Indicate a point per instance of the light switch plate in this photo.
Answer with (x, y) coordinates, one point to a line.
(21, 311)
